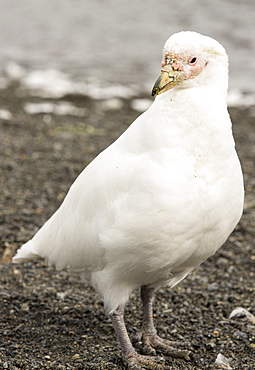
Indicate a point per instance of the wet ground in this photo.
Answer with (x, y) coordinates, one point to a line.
(52, 320)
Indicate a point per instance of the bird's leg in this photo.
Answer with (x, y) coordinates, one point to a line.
(133, 360)
(150, 338)
(121, 332)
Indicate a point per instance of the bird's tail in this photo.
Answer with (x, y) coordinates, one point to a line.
(26, 252)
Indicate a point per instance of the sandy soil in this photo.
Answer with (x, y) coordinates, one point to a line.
(52, 320)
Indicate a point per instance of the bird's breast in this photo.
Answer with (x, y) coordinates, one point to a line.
(177, 215)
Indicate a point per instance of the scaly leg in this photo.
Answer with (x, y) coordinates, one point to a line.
(133, 360)
(151, 341)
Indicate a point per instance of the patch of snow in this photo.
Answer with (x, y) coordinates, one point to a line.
(48, 83)
(236, 98)
(51, 83)
(5, 114)
(112, 104)
(62, 108)
(141, 105)
(14, 71)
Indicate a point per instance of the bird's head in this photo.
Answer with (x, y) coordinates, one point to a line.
(186, 57)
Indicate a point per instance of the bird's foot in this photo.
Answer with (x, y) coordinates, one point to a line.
(152, 342)
(136, 361)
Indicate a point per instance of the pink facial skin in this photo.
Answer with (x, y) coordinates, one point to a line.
(190, 65)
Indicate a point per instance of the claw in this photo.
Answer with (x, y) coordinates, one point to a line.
(139, 362)
(154, 342)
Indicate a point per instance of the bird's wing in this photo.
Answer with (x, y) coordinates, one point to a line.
(71, 237)
(87, 210)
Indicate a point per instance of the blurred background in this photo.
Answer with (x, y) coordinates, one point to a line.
(121, 42)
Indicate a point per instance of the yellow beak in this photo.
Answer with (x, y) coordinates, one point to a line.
(167, 80)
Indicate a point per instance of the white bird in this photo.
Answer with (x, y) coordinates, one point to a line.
(157, 202)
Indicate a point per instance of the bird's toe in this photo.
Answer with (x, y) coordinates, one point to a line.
(139, 362)
(153, 343)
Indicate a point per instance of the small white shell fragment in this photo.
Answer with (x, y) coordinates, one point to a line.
(222, 362)
(61, 295)
(241, 312)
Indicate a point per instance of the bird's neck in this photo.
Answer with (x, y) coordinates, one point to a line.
(194, 111)
(192, 99)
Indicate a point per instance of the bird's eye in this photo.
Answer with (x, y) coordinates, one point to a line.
(192, 61)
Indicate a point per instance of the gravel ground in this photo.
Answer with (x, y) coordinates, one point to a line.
(53, 320)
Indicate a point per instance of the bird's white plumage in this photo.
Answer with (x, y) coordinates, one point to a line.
(162, 198)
